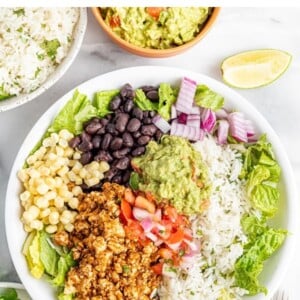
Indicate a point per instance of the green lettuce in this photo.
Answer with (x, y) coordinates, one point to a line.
(167, 97)
(143, 102)
(262, 173)
(3, 94)
(207, 98)
(9, 294)
(102, 100)
(264, 241)
(72, 116)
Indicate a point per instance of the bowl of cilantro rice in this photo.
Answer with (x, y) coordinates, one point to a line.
(37, 47)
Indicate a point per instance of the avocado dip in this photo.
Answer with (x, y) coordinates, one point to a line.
(174, 172)
(156, 27)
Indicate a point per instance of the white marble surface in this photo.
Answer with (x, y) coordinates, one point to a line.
(237, 29)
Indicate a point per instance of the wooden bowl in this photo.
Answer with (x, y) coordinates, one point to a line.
(156, 53)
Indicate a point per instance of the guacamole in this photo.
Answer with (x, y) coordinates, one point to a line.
(174, 172)
(156, 27)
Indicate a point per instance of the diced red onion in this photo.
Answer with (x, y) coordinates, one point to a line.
(147, 224)
(208, 121)
(192, 245)
(173, 112)
(221, 114)
(151, 236)
(182, 118)
(161, 124)
(223, 128)
(237, 126)
(249, 128)
(140, 214)
(195, 110)
(193, 121)
(186, 95)
(175, 246)
(189, 132)
(159, 226)
(158, 242)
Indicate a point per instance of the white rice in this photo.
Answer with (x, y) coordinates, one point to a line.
(24, 64)
(209, 274)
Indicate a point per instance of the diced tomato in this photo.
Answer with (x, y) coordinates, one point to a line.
(114, 21)
(157, 269)
(180, 222)
(171, 213)
(165, 253)
(188, 236)
(176, 237)
(142, 202)
(133, 230)
(150, 196)
(154, 12)
(129, 196)
(126, 211)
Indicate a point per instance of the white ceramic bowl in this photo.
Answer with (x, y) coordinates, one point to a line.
(22, 294)
(275, 269)
(60, 70)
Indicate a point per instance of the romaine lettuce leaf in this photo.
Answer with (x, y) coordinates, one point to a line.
(102, 100)
(9, 294)
(167, 97)
(207, 98)
(253, 226)
(250, 264)
(143, 102)
(72, 116)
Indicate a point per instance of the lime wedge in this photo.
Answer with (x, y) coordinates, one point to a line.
(255, 68)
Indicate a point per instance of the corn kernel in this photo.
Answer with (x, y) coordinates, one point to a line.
(76, 190)
(22, 175)
(78, 181)
(33, 173)
(66, 217)
(69, 227)
(63, 171)
(50, 195)
(27, 217)
(51, 229)
(73, 203)
(47, 142)
(91, 181)
(63, 143)
(50, 181)
(36, 224)
(58, 182)
(59, 202)
(65, 134)
(45, 213)
(34, 211)
(27, 228)
(25, 196)
(103, 166)
(68, 152)
(77, 167)
(52, 156)
(31, 159)
(42, 189)
(59, 151)
(76, 155)
(72, 176)
(54, 218)
(54, 137)
(41, 202)
(83, 172)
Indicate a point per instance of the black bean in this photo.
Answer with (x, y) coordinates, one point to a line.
(85, 187)
(121, 153)
(127, 91)
(143, 140)
(152, 113)
(96, 141)
(86, 157)
(127, 139)
(123, 163)
(148, 88)
(145, 114)
(152, 95)
(85, 136)
(101, 131)
(115, 103)
(111, 128)
(111, 173)
(121, 121)
(126, 176)
(85, 145)
(108, 117)
(117, 179)
(74, 142)
(103, 156)
(136, 134)
(128, 106)
(158, 135)
(116, 143)
(133, 125)
(93, 127)
(147, 121)
(93, 120)
(138, 151)
(137, 113)
(148, 130)
(106, 141)
(104, 121)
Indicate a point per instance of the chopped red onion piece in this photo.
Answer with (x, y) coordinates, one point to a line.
(173, 112)
(175, 246)
(208, 121)
(182, 118)
(223, 129)
(193, 121)
(195, 110)
(249, 128)
(221, 114)
(151, 236)
(140, 214)
(189, 132)
(186, 95)
(161, 124)
(157, 215)
(237, 126)
(147, 224)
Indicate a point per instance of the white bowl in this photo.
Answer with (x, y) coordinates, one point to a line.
(22, 294)
(59, 71)
(275, 269)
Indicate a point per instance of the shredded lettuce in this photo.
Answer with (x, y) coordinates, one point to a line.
(207, 98)
(167, 97)
(143, 102)
(76, 111)
(262, 173)
(102, 100)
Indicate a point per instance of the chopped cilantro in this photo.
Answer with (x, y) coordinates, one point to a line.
(51, 47)
(199, 232)
(172, 269)
(19, 12)
(181, 252)
(161, 231)
(40, 56)
(20, 29)
(126, 269)
(192, 293)
(37, 72)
